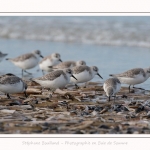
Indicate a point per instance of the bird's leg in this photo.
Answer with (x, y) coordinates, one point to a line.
(25, 94)
(77, 87)
(138, 88)
(85, 85)
(141, 88)
(27, 72)
(129, 88)
(42, 89)
(135, 87)
(51, 90)
(114, 98)
(43, 72)
(124, 96)
(109, 98)
(22, 72)
(52, 93)
(48, 89)
(8, 96)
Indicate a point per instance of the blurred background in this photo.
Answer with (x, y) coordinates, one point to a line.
(114, 44)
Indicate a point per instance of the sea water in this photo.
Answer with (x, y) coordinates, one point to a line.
(113, 44)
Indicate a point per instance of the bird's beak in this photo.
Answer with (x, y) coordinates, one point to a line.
(74, 77)
(41, 56)
(99, 75)
(60, 60)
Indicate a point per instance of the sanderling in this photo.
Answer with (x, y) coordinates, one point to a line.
(111, 87)
(10, 84)
(84, 74)
(68, 64)
(26, 61)
(55, 79)
(2, 55)
(133, 76)
(50, 60)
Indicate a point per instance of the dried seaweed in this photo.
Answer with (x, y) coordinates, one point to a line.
(75, 111)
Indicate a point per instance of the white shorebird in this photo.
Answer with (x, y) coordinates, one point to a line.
(2, 55)
(55, 79)
(10, 84)
(68, 64)
(26, 61)
(133, 76)
(111, 86)
(84, 74)
(50, 60)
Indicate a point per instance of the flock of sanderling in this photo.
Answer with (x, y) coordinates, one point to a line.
(59, 74)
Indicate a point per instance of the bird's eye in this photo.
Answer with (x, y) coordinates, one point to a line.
(69, 71)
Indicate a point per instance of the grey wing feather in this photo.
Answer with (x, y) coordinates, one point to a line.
(116, 80)
(9, 80)
(130, 73)
(65, 64)
(47, 57)
(23, 57)
(79, 69)
(112, 82)
(52, 75)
